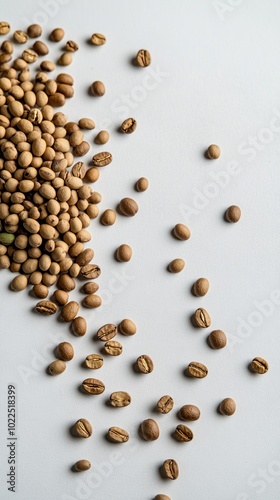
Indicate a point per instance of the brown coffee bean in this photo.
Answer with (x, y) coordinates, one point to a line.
(142, 184)
(90, 287)
(113, 348)
(82, 465)
(176, 266)
(98, 88)
(83, 428)
(127, 327)
(20, 36)
(102, 137)
(170, 469)
(181, 232)
(145, 364)
(143, 58)
(201, 287)
(102, 159)
(233, 214)
(46, 307)
(86, 124)
(4, 28)
(57, 34)
(120, 399)
(29, 55)
(93, 386)
(66, 283)
(196, 370)
(70, 311)
(65, 351)
(162, 497)
(98, 39)
(213, 152)
(61, 297)
(79, 326)
(124, 253)
(34, 31)
(227, 407)
(202, 318)
(90, 271)
(41, 48)
(71, 46)
(128, 207)
(165, 404)
(259, 365)
(107, 332)
(149, 430)
(108, 218)
(189, 412)
(92, 301)
(217, 339)
(85, 257)
(94, 361)
(183, 433)
(129, 125)
(56, 367)
(117, 435)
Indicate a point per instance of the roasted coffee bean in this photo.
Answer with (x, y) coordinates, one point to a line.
(120, 399)
(201, 287)
(189, 412)
(117, 435)
(213, 152)
(107, 332)
(170, 469)
(46, 307)
(165, 404)
(83, 428)
(143, 58)
(233, 214)
(128, 207)
(202, 318)
(145, 364)
(129, 125)
(102, 159)
(98, 39)
(183, 433)
(90, 271)
(94, 361)
(113, 348)
(149, 430)
(259, 365)
(93, 386)
(197, 370)
(56, 367)
(217, 339)
(227, 407)
(82, 465)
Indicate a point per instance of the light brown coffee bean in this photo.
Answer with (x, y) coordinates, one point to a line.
(197, 370)
(124, 253)
(129, 125)
(56, 367)
(57, 34)
(176, 266)
(127, 327)
(70, 311)
(66, 283)
(34, 31)
(20, 37)
(79, 326)
(71, 46)
(107, 332)
(90, 287)
(108, 218)
(50, 66)
(4, 28)
(46, 307)
(170, 469)
(183, 433)
(92, 301)
(98, 88)
(93, 386)
(56, 100)
(94, 361)
(83, 428)
(233, 214)
(102, 159)
(120, 399)
(65, 351)
(149, 430)
(19, 283)
(217, 339)
(102, 137)
(201, 287)
(61, 297)
(82, 465)
(145, 364)
(98, 39)
(128, 207)
(85, 257)
(40, 48)
(259, 365)
(86, 124)
(113, 348)
(117, 435)
(189, 412)
(202, 318)
(40, 291)
(90, 271)
(142, 184)
(165, 404)
(181, 232)
(143, 58)
(227, 407)
(162, 497)
(29, 55)
(213, 152)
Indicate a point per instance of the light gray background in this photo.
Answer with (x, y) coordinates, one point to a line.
(214, 77)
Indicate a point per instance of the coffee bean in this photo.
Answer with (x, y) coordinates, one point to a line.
(227, 407)
(65, 351)
(4, 28)
(107, 332)
(143, 58)
(94, 361)
(102, 159)
(162, 497)
(176, 266)
(128, 207)
(196, 370)
(34, 30)
(117, 435)
(70, 311)
(259, 365)
(213, 152)
(124, 253)
(127, 327)
(82, 465)
(90, 287)
(120, 399)
(129, 125)
(201, 287)
(92, 301)
(113, 348)
(165, 404)
(102, 137)
(71, 46)
(145, 364)
(202, 318)
(79, 326)
(85, 257)
(170, 469)
(142, 184)
(108, 218)
(83, 428)
(181, 232)
(189, 412)
(217, 339)
(183, 433)
(93, 386)
(98, 88)
(56, 367)
(149, 430)
(98, 39)
(90, 271)
(233, 213)
(57, 34)
(46, 307)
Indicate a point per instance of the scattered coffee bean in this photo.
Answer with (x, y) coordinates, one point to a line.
(227, 407)
(113, 348)
(20, 36)
(170, 469)
(108, 218)
(57, 34)
(217, 339)
(145, 364)
(34, 31)
(4, 28)
(201, 287)
(90, 271)
(19, 283)
(71, 46)
(176, 266)
(85, 257)
(162, 497)
(86, 124)
(94, 361)
(98, 88)
(233, 214)
(142, 184)
(98, 39)
(82, 465)
(93, 386)
(92, 301)
(129, 125)
(90, 287)
(107, 332)
(128, 207)
(165, 404)
(65, 351)
(56, 367)
(181, 232)
(79, 326)
(143, 58)
(102, 159)
(196, 370)
(189, 413)
(127, 327)
(202, 318)
(120, 399)
(183, 433)
(61, 297)
(124, 253)
(117, 435)
(213, 152)
(83, 428)
(102, 137)
(149, 430)
(259, 365)
(69, 311)
(46, 307)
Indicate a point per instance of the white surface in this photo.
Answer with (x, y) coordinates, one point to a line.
(219, 82)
